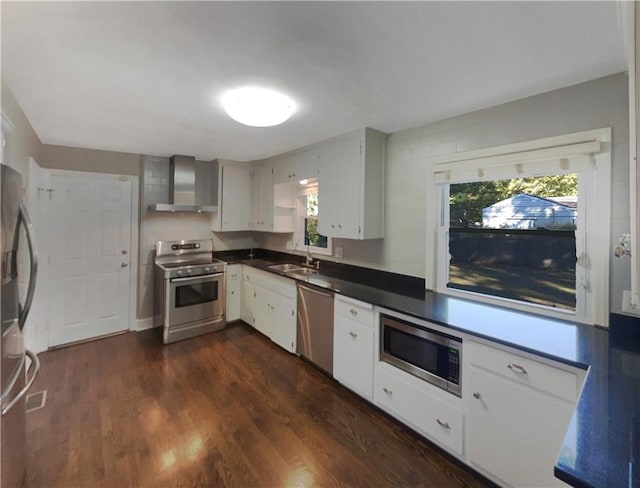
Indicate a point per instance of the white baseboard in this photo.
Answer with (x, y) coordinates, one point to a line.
(148, 323)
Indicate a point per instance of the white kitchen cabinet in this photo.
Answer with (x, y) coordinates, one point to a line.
(272, 300)
(234, 290)
(296, 166)
(519, 410)
(351, 186)
(275, 318)
(421, 406)
(262, 197)
(234, 198)
(353, 345)
(261, 316)
(284, 169)
(247, 296)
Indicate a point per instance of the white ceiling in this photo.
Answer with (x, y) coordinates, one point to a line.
(145, 77)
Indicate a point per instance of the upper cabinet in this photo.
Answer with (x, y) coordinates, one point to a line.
(296, 166)
(262, 197)
(234, 198)
(350, 171)
(351, 186)
(273, 204)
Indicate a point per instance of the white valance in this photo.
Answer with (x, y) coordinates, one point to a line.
(539, 162)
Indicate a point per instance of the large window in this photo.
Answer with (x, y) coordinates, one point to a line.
(515, 239)
(308, 237)
(526, 226)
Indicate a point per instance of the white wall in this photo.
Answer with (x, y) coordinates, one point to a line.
(591, 105)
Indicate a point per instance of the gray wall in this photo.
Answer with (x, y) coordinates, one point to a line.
(591, 105)
(92, 160)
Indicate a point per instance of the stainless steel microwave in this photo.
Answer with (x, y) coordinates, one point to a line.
(428, 354)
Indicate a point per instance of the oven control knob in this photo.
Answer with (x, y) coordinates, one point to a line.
(188, 271)
(179, 272)
(206, 270)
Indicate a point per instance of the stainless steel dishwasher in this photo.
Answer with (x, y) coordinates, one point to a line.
(315, 326)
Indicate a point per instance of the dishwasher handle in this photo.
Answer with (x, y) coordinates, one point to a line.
(316, 291)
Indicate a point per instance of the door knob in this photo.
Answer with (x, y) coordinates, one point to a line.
(124, 265)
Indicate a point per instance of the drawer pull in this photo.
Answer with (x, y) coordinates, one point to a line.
(443, 424)
(353, 334)
(354, 312)
(387, 391)
(516, 368)
(476, 395)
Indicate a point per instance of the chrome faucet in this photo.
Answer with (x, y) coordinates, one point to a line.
(309, 260)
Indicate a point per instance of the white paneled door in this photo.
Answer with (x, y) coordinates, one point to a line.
(90, 257)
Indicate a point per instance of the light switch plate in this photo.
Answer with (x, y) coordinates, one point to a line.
(339, 252)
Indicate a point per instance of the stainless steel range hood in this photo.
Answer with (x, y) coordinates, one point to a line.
(193, 186)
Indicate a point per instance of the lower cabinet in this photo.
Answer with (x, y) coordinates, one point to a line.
(234, 292)
(276, 317)
(420, 406)
(247, 297)
(353, 345)
(518, 415)
(269, 304)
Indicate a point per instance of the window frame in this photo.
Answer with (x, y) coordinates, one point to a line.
(588, 155)
(301, 215)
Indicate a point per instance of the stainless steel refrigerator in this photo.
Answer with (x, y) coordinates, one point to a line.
(13, 375)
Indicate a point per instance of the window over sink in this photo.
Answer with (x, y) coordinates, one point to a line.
(307, 236)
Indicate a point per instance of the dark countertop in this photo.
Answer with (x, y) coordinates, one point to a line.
(603, 438)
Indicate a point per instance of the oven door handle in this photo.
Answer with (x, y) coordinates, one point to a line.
(196, 278)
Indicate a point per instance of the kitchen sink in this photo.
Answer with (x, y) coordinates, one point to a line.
(303, 271)
(286, 267)
(294, 269)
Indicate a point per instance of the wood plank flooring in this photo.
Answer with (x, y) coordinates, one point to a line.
(225, 409)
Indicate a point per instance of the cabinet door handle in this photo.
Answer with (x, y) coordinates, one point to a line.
(353, 334)
(354, 312)
(516, 368)
(339, 226)
(477, 396)
(443, 424)
(387, 391)
(233, 292)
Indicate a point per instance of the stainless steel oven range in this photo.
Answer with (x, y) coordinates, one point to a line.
(189, 289)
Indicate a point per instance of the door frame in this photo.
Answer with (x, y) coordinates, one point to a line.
(134, 230)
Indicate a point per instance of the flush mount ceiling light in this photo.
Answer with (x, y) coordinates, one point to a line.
(257, 107)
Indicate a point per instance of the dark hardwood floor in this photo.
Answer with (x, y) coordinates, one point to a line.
(225, 409)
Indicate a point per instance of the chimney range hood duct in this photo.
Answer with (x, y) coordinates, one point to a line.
(193, 186)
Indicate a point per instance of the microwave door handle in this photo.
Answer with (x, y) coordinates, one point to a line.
(33, 270)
